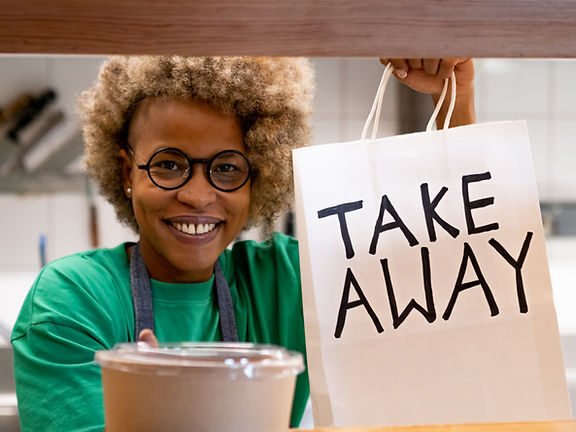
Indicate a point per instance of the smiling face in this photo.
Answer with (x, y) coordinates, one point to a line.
(183, 231)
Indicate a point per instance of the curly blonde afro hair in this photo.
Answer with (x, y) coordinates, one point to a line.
(271, 96)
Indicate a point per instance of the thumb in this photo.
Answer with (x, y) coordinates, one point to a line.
(148, 336)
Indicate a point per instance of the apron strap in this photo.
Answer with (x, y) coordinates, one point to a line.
(225, 306)
(142, 298)
(141, 293)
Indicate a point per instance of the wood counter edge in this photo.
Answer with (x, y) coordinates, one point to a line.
(547, 426)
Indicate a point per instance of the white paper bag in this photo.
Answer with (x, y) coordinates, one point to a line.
(427, 296)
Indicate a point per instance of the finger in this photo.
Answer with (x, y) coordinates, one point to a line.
(447, 66)
(148, 336)
(415, 63)
(430, 66)
(424, 83)
(401, 67)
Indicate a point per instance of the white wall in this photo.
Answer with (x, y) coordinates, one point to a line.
(345, 91)
(544, 94)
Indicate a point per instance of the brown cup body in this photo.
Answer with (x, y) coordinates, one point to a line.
(164, 398)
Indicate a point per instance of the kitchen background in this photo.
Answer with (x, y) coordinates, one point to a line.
(48, 209)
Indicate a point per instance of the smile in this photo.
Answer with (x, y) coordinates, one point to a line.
(194, 229)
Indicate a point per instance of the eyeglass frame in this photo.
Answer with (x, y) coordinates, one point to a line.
(191, 161)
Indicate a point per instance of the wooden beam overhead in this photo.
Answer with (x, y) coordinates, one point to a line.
(405, 28)
(399, 28)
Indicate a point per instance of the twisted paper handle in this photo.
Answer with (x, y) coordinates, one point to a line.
(376, 109)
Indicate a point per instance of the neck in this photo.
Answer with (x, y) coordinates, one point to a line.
(161, 269)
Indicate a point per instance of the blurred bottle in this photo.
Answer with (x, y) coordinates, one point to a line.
(30, 113)
(9, 114)
(28, 119)
(14, 108)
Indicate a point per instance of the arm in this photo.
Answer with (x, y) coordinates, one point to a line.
(66, 318)
(428, 75)
(57, 383)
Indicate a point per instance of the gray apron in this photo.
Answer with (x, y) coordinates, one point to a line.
(142, 298)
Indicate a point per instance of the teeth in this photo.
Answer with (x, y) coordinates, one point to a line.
(193, 229)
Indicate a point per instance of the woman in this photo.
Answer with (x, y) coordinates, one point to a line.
(190, 151)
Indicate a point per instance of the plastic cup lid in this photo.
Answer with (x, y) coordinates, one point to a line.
(233, 360)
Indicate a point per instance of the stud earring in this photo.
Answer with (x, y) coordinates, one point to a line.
(129, 191)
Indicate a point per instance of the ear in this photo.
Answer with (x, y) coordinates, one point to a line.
(125, 162)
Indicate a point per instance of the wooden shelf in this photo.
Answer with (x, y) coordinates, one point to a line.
(418, 28)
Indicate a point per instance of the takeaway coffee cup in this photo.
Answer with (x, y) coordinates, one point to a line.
(216, 387)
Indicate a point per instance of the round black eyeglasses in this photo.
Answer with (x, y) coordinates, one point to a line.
(170, 168)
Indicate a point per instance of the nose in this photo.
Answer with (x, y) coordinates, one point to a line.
(198, 192)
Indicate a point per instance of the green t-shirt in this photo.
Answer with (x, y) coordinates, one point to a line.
(82, 303)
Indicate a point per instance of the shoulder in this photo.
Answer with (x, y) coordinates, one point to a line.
(71, 289)
(275, 260)
(89, 260)
(278, 242)
(94, 270)
(280, 249)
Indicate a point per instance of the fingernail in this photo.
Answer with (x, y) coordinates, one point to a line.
(401, 73)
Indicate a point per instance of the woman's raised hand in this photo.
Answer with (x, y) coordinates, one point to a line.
(428, 75)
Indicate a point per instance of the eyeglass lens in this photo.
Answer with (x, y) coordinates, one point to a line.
(227, 170)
